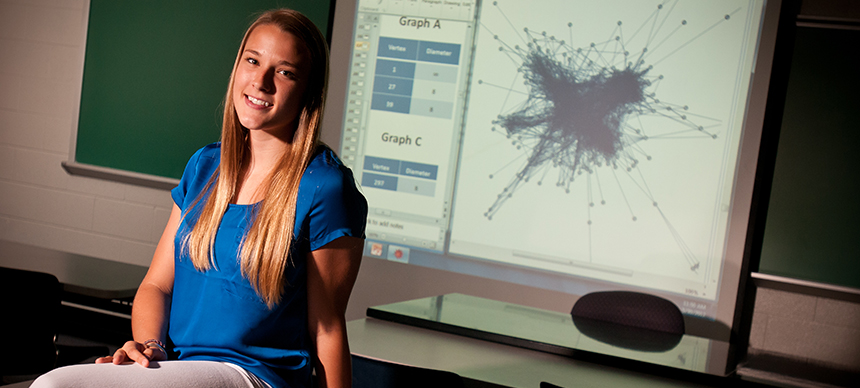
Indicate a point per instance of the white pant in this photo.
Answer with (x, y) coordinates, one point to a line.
(188, 374)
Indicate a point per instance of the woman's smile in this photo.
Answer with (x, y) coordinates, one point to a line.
(257, 103)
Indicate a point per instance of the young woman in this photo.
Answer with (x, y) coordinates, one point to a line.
(251, 277)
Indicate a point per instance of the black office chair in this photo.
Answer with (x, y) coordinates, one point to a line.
(372, 373)
(629, 319)
(30, 302)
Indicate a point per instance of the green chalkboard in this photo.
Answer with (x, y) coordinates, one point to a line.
(812, 230)
(155, 76)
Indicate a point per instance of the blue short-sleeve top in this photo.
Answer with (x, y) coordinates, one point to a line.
(216, 315)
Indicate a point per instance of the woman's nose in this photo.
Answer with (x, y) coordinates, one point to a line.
(264, 80)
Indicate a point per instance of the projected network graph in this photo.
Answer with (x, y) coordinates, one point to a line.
(582, 114)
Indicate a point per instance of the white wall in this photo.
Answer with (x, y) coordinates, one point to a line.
(813, 329)
(42, 42)
(42, 46)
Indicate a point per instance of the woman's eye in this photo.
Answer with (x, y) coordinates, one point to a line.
(252, 61)
(287, 73)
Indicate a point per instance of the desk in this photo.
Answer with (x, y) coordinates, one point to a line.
(520, 346)
(97, 293)
(80, 275)
(483, 363)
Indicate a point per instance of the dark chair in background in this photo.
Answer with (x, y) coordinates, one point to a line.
(30, 302)
(371, 373)
(630, 320)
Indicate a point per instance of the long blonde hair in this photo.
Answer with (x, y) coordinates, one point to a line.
(264, 253)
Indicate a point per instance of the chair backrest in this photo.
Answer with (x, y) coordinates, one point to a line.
(373, 373)
(30, 302)
(633, 309)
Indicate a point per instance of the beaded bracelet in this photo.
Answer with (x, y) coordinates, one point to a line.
(155, 343)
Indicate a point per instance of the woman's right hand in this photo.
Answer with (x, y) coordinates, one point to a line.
(134, 352)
